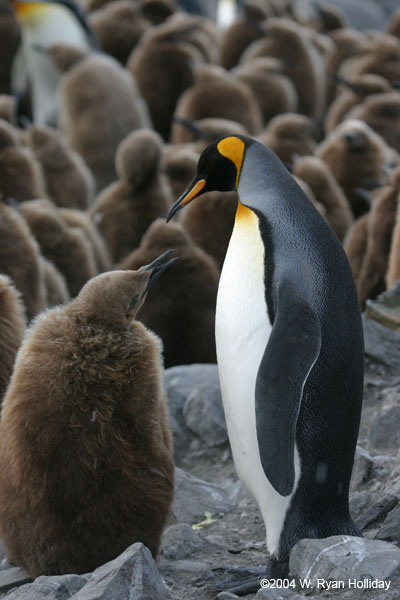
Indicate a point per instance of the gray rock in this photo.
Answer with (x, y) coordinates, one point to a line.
(13, 577)
(226, 596)
(194, 497)
(382, 345)
(132, 575)
(384, 432)
(204, 414)
(341, 557)
(390, 530)
(180, 541)
(276, 594)
(378, 511)
(359, 502)
(60, 587)
(195, 568)
(386, 308)
(180, 382)
(362, 468)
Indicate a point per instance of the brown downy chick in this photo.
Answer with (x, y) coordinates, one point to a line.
(204, 131)
(66, 247)
(99, 105)
(69, 182)
(371, 279)
(327, 192)
(357, 156)
(354, 92)
(330, 18)
(292, 43)
(157, 11)
(20, 260)
(163, 66)
(355, 244)
(217, 94)
(20, 175)
(289, 135)
(81, 220)
(8, 109)
(56, 286)
(274, 92)
(210, 223)
(179, 166)
(383, 58)
(125, 209)
(118, 27)
(243, 31)
(182, 310)
(382, 113)
(85, 438)
(12, 329)
(393, 271)
(9, 40)
(393, 27)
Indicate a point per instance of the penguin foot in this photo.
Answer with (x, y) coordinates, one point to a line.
(247, 581)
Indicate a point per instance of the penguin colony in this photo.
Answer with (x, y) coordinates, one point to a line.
(101, 129)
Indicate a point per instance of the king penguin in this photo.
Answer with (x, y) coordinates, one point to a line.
(289, 348)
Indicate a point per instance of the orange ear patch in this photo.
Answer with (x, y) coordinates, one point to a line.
(27, 9)
(233, 148)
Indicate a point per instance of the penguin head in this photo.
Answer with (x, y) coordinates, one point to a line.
(218, 169)
(114, 298)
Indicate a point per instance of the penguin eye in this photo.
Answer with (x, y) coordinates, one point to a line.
(134, 301)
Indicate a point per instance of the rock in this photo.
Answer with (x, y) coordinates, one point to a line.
(384, 431)
(377, 511)
(13, 577)
(359, 502)
(386, 308)
(180, 541)
(276, 594)
(342, 557)
(204, 414)
(390, 530)
(180, 382)
(226, 596)
(133, 574)
(382, 345)
(361, 469)
(195, 568)
(194, 497)
(60, 587)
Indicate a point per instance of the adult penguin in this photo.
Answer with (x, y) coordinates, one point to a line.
(289, 348)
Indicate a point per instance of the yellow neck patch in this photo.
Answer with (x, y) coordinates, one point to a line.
(28, 9)
(233, 148)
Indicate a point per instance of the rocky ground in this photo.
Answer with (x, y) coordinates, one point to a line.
(216, 530)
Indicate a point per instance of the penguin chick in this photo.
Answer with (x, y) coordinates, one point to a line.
(99, 105)
(291, 42)
(371, 279)
(20, 174)
(12, 329)
(327, 192)
(330, 18)
(357, 157)
(124, 210)
(69, 181)
(382, 113)
(56, 286)
(81, 220)
(356, 90)
(383, 58)
(289, 134)
(157, 11)
(219, 95)
(393, 271)
(182, 311)
(274, 92)
(66, 247)
(203, 131)
(8, 109)
(393, 27)
(210, 223)
(85, 438)
(9, 39)
(118, 26)
(355, 244)
(162, 64)
(20, 260)
(243, 31)
(179, 166)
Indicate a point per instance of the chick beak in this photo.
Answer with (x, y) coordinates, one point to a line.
(194, 189)
(157, 267)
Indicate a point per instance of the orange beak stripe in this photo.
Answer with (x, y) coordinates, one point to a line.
(196, 189)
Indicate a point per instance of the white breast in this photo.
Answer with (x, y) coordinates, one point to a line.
(242, 332)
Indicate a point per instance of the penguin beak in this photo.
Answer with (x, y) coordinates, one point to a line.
(157, 267)
(194, 189)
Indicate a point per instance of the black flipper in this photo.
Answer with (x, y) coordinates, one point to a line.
(292, 349)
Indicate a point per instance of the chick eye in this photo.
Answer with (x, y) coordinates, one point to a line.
(134, 301)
